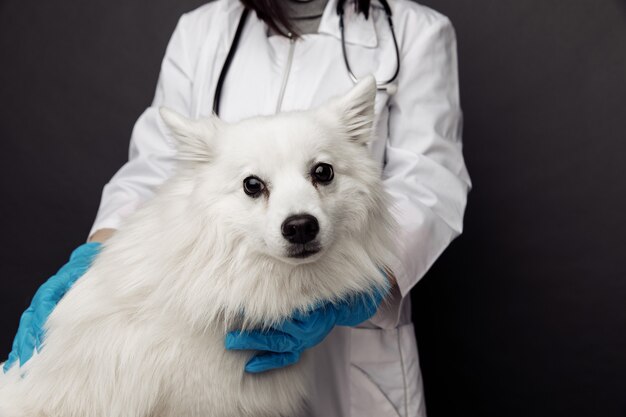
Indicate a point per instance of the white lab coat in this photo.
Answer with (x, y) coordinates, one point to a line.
(372, 370)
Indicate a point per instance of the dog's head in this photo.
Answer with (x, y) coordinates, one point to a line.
(296, 194)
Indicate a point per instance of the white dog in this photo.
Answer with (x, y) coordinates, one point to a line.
(263, 217)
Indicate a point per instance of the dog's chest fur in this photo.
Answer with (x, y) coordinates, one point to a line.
(129, 353)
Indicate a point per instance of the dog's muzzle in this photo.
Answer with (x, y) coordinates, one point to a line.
(300, 231)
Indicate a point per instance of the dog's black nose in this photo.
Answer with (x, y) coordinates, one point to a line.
(301, 228)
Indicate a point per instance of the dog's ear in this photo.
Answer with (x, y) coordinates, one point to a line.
(193, 137)
(355, 110)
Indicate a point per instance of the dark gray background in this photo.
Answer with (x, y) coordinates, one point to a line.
(524, 315)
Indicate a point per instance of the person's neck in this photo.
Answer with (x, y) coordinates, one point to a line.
(304, 15)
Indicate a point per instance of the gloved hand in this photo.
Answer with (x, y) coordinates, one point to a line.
(283, 344)
(31, 332)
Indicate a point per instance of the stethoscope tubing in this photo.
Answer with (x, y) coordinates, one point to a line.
(382, 85)
(227, 62)
(387, 85)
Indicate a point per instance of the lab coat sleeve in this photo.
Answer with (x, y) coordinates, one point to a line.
(424, 172)
(151, 151)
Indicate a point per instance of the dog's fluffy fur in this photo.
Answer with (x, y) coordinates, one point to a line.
(142, 333)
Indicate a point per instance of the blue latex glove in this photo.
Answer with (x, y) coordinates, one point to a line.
(30, 333)
(283, 344)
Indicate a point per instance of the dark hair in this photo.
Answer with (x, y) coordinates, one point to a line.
(274, 13)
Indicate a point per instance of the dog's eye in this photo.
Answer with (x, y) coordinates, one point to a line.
(323, 173)
(253, 186)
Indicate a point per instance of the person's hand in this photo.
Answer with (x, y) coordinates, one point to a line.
(283, 344)
(30, 333)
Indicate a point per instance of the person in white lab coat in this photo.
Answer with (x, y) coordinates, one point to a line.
(372, 369)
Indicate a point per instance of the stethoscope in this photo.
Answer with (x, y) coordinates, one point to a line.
(387, 86)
